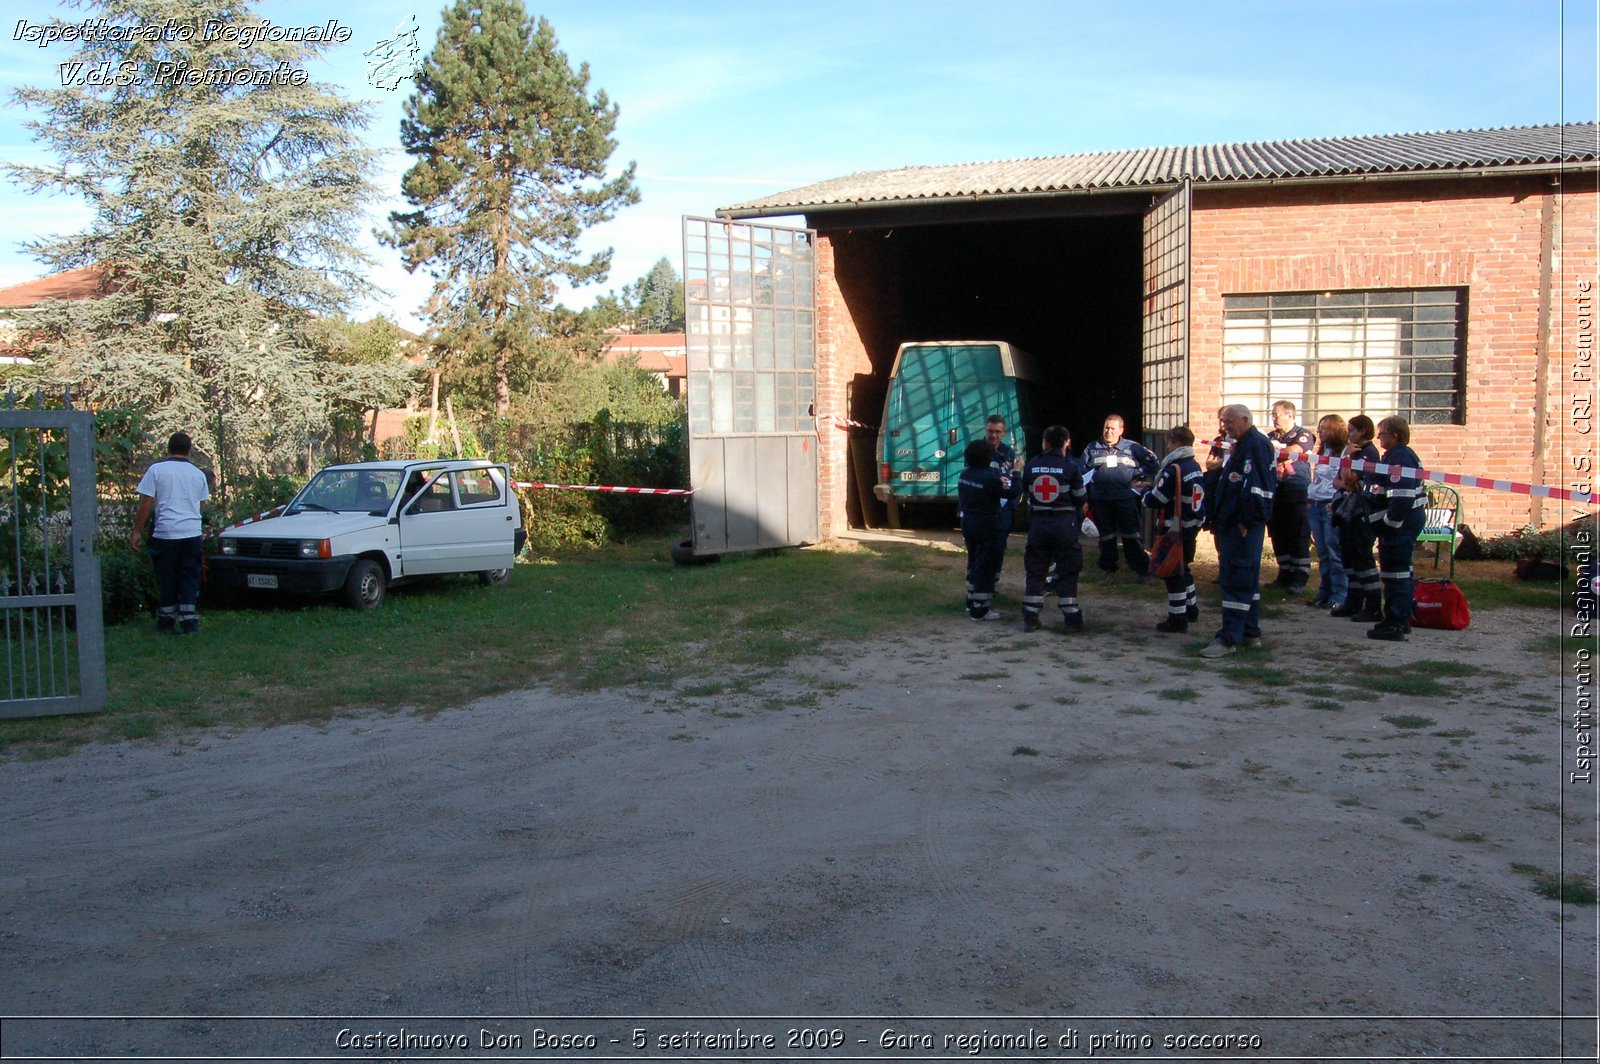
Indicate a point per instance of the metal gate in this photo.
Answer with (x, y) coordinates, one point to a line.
(750, 308)
(1165, 360)
(49, 574)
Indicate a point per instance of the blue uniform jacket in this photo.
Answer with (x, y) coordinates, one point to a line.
(1004, 457)
(1054, 482)
(1247, 483)
(1392, 497)
(1181, 477)
(979, 492)
(1115, 468)
(1300, 473)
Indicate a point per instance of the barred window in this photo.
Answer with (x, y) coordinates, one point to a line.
(1396, 351)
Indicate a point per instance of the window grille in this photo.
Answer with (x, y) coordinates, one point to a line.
(1396, 351)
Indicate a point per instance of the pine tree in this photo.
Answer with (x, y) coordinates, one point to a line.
(656, 299)
(511, 164)
(226, 189)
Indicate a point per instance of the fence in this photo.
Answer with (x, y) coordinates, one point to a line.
(50, 606)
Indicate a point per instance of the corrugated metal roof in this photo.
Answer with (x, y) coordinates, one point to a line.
(1459, 151)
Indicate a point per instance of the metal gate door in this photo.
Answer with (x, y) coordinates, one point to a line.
(1165, 360)
(49, 574)
(749, 302)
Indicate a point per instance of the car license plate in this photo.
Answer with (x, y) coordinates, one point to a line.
(266, 580)
(921, 476)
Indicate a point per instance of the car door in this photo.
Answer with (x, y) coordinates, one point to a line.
(430, 528)
(487, 522)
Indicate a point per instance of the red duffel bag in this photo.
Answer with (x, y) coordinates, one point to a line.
(1440, 604)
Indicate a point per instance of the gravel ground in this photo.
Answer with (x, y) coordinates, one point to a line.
(970, 842)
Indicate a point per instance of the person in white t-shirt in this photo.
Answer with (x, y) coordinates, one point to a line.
(173, 490)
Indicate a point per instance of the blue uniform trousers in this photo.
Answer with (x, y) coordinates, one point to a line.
(981, 533)
(1118, 519)
(1053, 538)
(1395, 548)
(177, 563)
(1239, 563)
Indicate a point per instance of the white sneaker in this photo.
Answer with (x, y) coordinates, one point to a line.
(1217, 649)
(987, 615)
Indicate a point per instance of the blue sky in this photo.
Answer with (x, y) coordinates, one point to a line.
(723, 102)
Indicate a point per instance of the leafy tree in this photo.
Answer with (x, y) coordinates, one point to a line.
(362, 368)
(225, 187)
(655, 301)
(511, 154)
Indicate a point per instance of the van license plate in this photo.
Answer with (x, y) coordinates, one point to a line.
(266, 580)
(923, 476)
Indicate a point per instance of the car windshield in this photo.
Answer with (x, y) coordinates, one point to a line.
(365, 490)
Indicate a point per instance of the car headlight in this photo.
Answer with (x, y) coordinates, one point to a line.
(315, 548)
(230, 546)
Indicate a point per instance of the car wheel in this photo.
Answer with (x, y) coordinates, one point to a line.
(683, 554)
(494, 577)
(365, 586)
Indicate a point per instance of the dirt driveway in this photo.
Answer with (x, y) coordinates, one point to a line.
(959, 842)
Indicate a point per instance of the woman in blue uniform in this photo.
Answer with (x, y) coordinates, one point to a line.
(979, 491)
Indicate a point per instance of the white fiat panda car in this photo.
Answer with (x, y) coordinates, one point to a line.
(358, 528)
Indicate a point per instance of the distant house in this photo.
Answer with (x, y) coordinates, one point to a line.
(19, 300)
(663, 355)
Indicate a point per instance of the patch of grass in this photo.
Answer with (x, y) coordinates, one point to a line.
(1137, 711)
(1254, 674)
(1454, 733)
(1493, 594)
(1526, 869)
(579, 621)
(1184, 764)
(1444, 668)
(1024, 751)
(1465, 836)
(1352, 755)
(1404, 684)
(984, 675)
(1427, 877)
(1179, 694)
(1415, 822)
(1548, 645)
(1065, 700)
(1572, 888)
(1349, 802)
(1326, 704)
(1410, 721)
(1528, 759)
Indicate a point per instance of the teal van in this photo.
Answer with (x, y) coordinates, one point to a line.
(940, 392)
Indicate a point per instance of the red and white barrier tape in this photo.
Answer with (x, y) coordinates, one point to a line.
(844, 422)
(524, 485)
(262, 516)
(1467, 480)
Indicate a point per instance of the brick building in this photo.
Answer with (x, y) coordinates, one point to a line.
(1442, 276)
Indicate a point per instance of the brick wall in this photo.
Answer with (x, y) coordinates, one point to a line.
(1480, 234)
(849, 334)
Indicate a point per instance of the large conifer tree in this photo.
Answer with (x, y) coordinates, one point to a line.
(511, 168)
(226, 189)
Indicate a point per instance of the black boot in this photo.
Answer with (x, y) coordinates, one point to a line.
(1371, 611)
(1354, 599)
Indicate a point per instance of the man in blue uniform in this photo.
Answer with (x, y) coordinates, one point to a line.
(979, 492)
(1006, 463)
(1054, 485)
(1180, 478)
(1291, 524)
(1116, 463)
(1240, 509)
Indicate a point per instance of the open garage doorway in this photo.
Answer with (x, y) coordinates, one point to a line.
(1066, 289)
